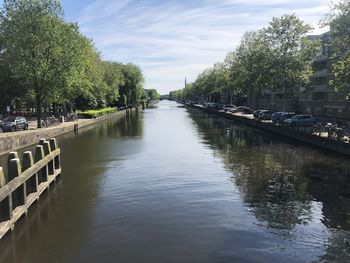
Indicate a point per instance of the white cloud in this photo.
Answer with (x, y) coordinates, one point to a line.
(173, 39)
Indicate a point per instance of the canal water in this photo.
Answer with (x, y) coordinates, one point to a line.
(172, 184)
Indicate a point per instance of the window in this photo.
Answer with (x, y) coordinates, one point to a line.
(308, 109)
(329, 112)
(340, 112)
(319, 96)
(330, 96)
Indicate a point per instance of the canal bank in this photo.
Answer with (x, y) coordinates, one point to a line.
(287, 132)
(16, 140)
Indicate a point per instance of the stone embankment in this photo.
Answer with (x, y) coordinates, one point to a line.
(15, 140)
(287, 132)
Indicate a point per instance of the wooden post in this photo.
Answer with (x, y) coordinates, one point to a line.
(5, 213)
(19, 195)
(47, 148)
(32, 183)
(10, 156)
(2, 178)
(21, 190)
(14, 169)
(54, 146)
(50, 165)
(39, 155)
(41, 142)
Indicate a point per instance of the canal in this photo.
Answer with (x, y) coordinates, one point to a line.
(172, 184)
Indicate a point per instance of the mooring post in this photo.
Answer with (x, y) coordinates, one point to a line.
(18, 196)
(47, 151)
(2, 178)
(5, 214)
(39, 155)
(41, 142)
(32, 183)
(54, 146)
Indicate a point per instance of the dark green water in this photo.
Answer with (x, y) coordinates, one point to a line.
(177, 185)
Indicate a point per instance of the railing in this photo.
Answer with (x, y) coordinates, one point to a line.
(24, 183)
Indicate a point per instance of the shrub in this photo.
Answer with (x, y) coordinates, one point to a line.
(92, 114)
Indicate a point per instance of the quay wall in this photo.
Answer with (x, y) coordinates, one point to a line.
(288, 132)
(12, 141)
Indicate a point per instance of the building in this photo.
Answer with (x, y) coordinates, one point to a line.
(320, 99)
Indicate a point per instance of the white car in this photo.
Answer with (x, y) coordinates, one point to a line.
(300, 120)
(228, 108)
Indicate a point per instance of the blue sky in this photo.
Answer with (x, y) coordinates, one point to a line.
(171, 39)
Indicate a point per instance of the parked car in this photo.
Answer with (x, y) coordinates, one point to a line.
(280, 117)
(228, 108)
(243, 110)
(256, 114)
(211, 105)
(300, 120)
(286, 116)
(277, 116)
(265, 115)
(14, 123)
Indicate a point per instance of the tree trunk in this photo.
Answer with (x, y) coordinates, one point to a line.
(39, 110)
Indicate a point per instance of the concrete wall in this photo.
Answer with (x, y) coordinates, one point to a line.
(16, 140)
(291, 133)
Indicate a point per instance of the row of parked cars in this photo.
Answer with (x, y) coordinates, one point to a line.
(13, 123)
(286, 118)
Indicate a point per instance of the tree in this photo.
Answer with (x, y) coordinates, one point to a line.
(152, 94)
(290, 53)
(113, 77)
(339, 22)
(38, 47)
(133, 83)
(252, 68)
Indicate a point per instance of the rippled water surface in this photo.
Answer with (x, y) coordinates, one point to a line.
(172, 184)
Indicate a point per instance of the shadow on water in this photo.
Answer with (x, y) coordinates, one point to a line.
(63, 217)
(283, 184)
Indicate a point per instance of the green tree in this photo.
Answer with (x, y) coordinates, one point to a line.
(290, 54)
(132, 87)
(152, 94)
(339, 22)
(252, 66)
(38, 47)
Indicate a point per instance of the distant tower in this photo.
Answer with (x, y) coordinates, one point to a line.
(185, 82)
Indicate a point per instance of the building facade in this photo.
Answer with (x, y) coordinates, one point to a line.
(320, 99)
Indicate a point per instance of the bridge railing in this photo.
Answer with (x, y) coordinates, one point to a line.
(25, 181)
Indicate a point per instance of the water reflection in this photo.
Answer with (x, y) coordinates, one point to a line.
(62, 220)
(177, 185)
(283, 185)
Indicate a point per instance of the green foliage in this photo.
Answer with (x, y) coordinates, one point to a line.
(290, 53)
(152, 94)
(44, 61)
(278, 57)
(132, 87)
(91, 114)
(339, 22)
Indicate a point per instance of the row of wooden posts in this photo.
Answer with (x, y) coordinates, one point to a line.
(25, 181)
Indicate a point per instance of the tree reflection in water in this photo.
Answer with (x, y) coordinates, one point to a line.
(280, 182)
